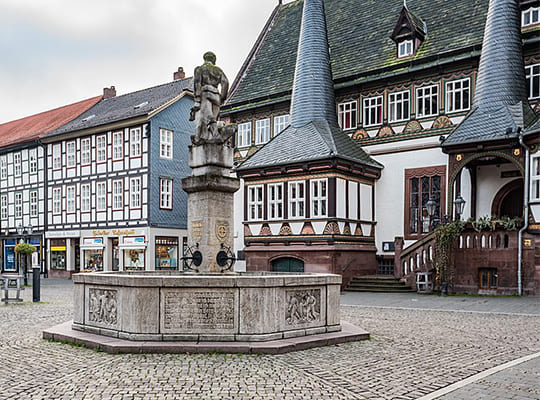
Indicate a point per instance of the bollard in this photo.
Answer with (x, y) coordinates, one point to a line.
(36, 270)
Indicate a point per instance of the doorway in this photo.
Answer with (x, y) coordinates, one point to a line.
(287, 264)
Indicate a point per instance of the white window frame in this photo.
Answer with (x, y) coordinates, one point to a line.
(531, 14)
(17, 164)
(464, 92)
(135, 139)
(297, 200)
(262, 131)
(244, 135)
(319, 197)
(372, 104)
(117, 194)
(71, 158)
(4, 206)
(101, 196)
(117, 145)
(424, 97)
(32, 161)
(34, 203)
(165, 193)
(281, 122)
(348, 115)
(275, 201)
(86, 148)
(70, 199)
(3, 167)
(535, 177)
(405, 48)
(399, 103)
(86, 205)
(57, 201)
(18, 204)
(101, 149)
(135, 193)
(57, 156)
(255, 202)
(531, 76)
(166, 143)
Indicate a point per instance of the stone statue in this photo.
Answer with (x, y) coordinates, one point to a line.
(210, 89)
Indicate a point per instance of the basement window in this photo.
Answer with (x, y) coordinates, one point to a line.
(488, 278)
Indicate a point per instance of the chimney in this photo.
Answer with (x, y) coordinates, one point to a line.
(180, 74)
(109, 92)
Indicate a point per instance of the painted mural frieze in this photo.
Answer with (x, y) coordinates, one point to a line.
(303, 306)
(386, 130)
(103, 306)
(442, 122)
(412, 126)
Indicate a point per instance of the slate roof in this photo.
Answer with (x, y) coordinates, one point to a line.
(500, 103)
(360, 44)
(130, 105)
(30, 128)
(317, 140)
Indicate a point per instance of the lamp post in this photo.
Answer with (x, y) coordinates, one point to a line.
(459, 205)
(23, 231)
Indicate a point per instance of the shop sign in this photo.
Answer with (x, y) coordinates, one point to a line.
(93, 241)
(134, 240)
(116, 232)
(35, 241)
(58, 248)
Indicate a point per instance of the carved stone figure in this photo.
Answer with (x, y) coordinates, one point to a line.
(303, 306)
(102, 306)
(210, 90)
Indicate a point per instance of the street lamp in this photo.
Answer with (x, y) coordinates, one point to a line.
(431, 206)
(459, 205)
(21, 232)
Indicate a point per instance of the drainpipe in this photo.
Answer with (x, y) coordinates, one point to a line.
(526, 216)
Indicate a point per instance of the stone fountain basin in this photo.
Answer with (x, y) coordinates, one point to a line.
(176, 306)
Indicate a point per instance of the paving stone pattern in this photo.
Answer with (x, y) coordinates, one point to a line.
(411, 353)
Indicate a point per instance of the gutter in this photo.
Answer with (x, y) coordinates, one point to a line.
(526, 216)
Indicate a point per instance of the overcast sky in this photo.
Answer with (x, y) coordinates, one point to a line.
(56, 52)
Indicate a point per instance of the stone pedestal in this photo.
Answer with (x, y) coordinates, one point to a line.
(210, 190)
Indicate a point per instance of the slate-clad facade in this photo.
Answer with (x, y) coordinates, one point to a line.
(404, 77)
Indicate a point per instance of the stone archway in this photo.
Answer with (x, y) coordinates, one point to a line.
(509, 200)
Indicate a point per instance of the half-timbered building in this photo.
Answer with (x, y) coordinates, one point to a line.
(114, 198)
(23, 180)
(404, 77)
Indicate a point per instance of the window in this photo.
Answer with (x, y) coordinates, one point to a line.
(532, 73)
(117, 195)
(70, 151)
(535, 178)
(262, 131)
(101, 194)
(70, 199)
(275, 201)
(422, 184)
(3, 167)
(166, 143)
(427, 101)
(17, 164)
(18, 205)
(318, 197)
(85, 197)
(57, 200)
(405, 48)
(457, 95)
(101, 149)
(135, 142)
(135, 193)
(85, 151)
(373, 111)
(165, 193)
(166, 252)
(32, 161)
(118, 145)
(57, 156)
(398, 104)
(347, 115)
(34, 203)
(4, 207)
(244, 134)
(488, 278)
(531, 16)
(255, 202)
(297, 199)
(281, 122)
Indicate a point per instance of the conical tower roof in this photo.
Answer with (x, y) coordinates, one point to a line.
(500, 103)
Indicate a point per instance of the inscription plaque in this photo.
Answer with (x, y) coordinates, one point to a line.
(198, 310)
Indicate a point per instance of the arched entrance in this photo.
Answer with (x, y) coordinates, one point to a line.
(509, 200)
(287, 264)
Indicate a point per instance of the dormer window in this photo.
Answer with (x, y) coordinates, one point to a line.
(530, 16)
(405, 48)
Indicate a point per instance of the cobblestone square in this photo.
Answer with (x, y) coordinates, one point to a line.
(414, 350)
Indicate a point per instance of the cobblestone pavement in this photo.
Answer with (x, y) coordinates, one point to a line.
(412, 352)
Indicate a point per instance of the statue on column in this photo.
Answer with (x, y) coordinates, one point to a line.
(210, 91)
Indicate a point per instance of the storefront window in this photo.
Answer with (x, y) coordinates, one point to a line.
(58, 254)
(93, 260)
(133, 259)
(9, 255)
(166, 252)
